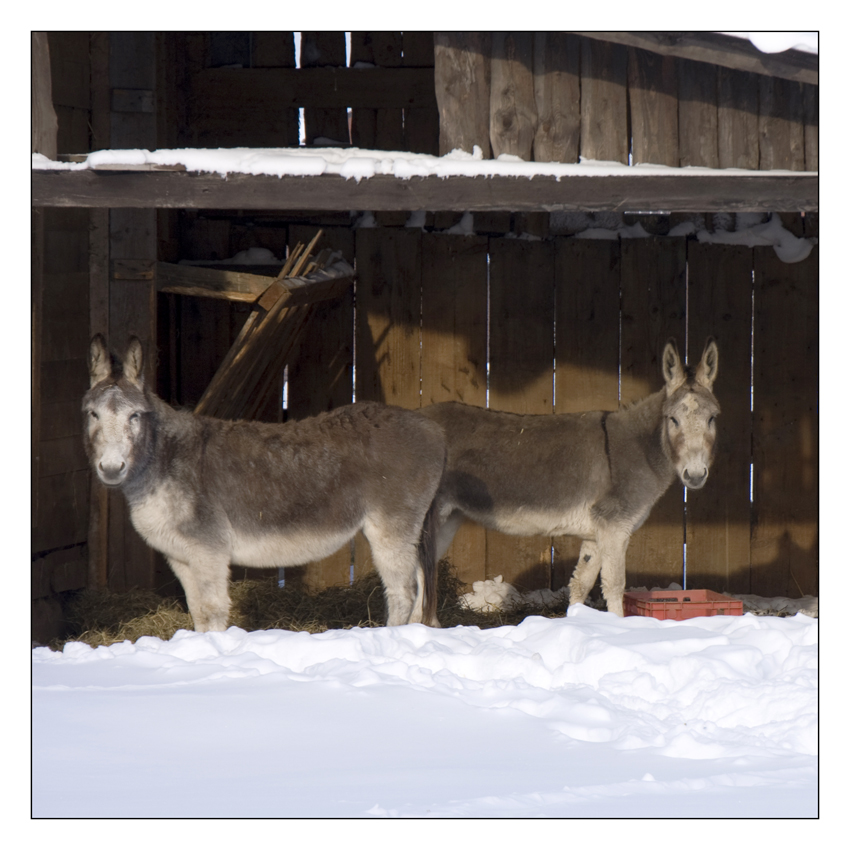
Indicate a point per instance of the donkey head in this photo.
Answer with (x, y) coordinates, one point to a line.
(115, 410)
(690, 414)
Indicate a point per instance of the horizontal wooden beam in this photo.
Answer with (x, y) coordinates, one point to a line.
(223, 89)
(716, 192)
(725, 50)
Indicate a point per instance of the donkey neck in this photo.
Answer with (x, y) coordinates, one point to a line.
(639, 428)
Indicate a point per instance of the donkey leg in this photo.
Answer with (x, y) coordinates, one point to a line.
(397, 562)
(205, 582)
(613, 556)
(449, 524)
(585, 573)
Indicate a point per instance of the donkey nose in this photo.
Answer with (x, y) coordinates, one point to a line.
(696, 481)
(111, 471)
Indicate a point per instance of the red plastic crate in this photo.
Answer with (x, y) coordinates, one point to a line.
(680, 604)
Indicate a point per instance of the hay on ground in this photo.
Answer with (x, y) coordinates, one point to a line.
(103, 617)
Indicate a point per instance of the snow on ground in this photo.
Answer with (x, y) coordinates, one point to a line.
(585, 716)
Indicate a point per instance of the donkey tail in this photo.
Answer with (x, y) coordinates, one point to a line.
(429, 566)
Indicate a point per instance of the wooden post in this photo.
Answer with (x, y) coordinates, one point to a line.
(462, 82)
(780, 124)
(379, 129)
(421, 123)
(513, 114)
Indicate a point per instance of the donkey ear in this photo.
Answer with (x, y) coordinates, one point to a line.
(707, 370)
(100, 367)
(671, 366)
(133, 363)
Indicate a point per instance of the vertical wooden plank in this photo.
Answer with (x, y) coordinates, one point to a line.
(321, 49)
(321, 374)
(132, 302)
(45, 126)
(388, 309)
(522, 320)
(781, 142)
(697, 113)
(277, 50)
(737, 119)
(785, 426)
(557, 95)
(587, 346)
(653, 310)
(718, 516)
(421, 124)
(810, 128)
(653, 105)
(604, 102)
(379, 129)
(513, 114)
(454, 353)
(462, 84)
(387, 334)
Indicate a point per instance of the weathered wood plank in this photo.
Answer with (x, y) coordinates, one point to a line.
(716, 192)
(653, 107)
(604, 101)
(587, 343)
(522, 324)
(785, 426)
(737, 119)
(718, 516)
(557, 95)
(811, 121)
(513, 113)
(719, 49)
(697, 114)
(462, 85)
(781, 141)
(653, 310)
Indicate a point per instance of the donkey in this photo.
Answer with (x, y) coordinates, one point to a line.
(594, 475)
(207, 492)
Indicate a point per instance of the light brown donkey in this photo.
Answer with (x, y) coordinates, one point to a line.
(207, 492)
(594, 475)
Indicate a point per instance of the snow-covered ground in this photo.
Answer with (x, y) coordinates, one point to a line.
(585, 716)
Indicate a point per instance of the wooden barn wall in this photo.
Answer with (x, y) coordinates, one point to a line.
(556, 97)
(569, 324)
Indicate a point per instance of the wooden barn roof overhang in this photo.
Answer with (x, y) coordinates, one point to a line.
(158, 187)
(719, 49)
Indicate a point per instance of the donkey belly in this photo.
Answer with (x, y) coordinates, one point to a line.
(529, 520)
(286, 549)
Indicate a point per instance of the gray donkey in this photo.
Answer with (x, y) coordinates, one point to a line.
(207, 492)
(594, 475)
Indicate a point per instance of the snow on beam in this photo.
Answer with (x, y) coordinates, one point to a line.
(637, 192)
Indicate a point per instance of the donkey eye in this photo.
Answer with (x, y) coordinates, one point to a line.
(134, 417)
(674, 421)
(93, 415)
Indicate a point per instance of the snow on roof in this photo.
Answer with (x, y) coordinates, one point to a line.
(777, 42)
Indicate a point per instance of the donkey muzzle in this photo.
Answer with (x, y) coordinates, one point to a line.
(112, 474)
(694, 480)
